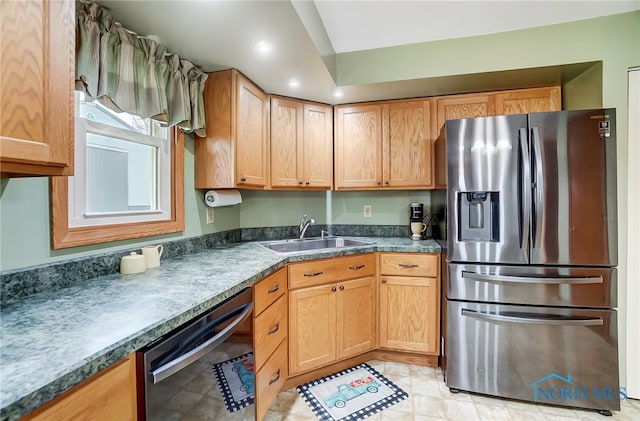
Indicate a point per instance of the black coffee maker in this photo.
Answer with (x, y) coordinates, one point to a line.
(416, 213)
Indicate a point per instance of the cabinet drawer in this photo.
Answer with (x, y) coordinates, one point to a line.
(269, 380)
(331, 270)
(270, 329)
(409, 264)
(268, 290)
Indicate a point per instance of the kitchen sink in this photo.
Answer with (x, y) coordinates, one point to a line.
(297, 245)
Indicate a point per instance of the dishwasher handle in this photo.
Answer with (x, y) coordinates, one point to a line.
(181, 361)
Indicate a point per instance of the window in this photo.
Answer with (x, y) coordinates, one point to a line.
(127, 180)
(122, 169)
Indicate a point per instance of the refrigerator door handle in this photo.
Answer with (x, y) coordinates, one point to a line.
(525, 189)
(597, 279)
(538, 186)
(565, 321)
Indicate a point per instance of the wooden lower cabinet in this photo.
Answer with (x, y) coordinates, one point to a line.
(331, 322)
(356, 317)
(270, 330)
(109, 395)
(312, 321)
(270, 379)
(409, 293)
(408, 314)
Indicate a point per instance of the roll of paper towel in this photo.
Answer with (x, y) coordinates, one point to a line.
(216, 198)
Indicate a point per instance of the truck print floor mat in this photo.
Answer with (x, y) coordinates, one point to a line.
(352, 394)
(235, 380)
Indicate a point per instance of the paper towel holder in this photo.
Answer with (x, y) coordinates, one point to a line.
(217, 198)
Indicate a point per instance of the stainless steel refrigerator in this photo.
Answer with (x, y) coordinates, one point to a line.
(532, 250)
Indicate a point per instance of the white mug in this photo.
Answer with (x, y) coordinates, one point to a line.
(417, 228)
(152, 255)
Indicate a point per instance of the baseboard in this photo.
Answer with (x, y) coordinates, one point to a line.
(382, 355)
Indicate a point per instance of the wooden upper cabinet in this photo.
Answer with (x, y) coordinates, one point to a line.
(235, 152)
(518, 101)
(524, 101)
(317, 146)
(406, 144)
(301, 144)
(37, 46)
(358, 146)
(463, 106)
(384, 145)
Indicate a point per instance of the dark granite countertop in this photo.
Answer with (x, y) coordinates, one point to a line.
(53, 340)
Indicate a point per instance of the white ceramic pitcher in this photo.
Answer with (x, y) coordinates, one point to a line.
(152, 255)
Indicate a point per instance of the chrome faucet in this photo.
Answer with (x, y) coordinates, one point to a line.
(304, 224)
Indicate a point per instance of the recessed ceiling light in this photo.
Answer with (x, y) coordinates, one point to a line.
(293, 83)
(338, 93)
(263, 47)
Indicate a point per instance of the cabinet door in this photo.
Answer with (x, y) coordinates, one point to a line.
(524, 101)
(214, 160)
(312, 327)
(286, 133)
(406, 146)
(37, 46)
(250, 121)
(464, 106)
(317, 146)
(358, 146)
(109, 395)
(409, 314)
(356, 317)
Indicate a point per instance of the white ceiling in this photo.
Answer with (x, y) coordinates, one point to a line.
(306, 35)
(363, 25)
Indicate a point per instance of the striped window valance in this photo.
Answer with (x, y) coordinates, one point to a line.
(137, 75)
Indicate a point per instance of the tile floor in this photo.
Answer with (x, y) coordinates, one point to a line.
(193, 395)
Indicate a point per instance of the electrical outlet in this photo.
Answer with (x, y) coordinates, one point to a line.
(367, 211)
(209, 215)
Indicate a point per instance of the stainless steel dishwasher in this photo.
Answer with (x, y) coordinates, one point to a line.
(195, 345)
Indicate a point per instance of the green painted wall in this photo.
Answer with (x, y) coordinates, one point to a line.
(584, 91)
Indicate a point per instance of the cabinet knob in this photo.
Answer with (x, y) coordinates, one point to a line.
(299, 182)
(333, 289)
(307, 183)
(378, 182)
(341, 287)
(243, 179)
(384, 281)
(386, 182)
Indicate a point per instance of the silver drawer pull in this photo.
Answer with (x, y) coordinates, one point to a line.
(358, 267)
(275, 379)
(273, 289)
(407, 266)
(275, 329)
(312, 274)
(527, 319)
(597, 279)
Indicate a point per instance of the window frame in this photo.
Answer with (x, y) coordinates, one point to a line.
(64, 236)
(78, 214)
